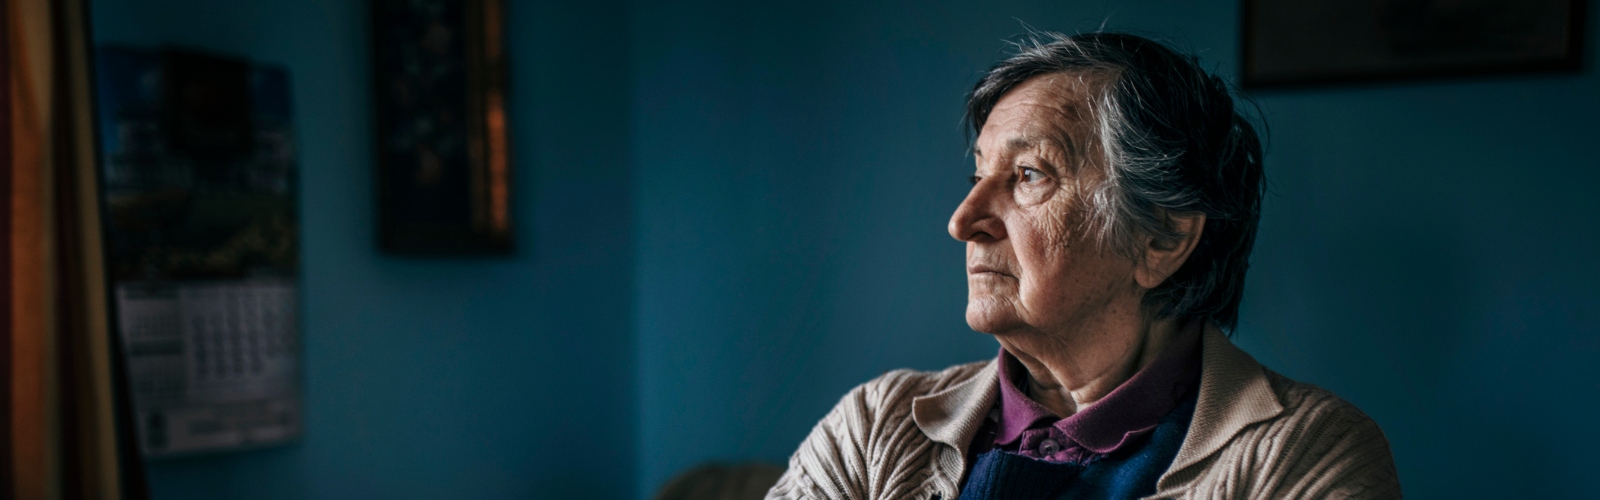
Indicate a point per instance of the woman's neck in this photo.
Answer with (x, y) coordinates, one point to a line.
(1068, 371)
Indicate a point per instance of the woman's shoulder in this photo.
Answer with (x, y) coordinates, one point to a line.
(1309, 402)
(1314, 445)
(896, 389)
(915, 383)
(1252, 392)
(871, 445)
(1328, 439)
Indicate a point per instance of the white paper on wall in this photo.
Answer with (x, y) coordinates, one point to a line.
(213, 365)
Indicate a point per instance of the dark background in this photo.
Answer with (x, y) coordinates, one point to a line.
(734, 211)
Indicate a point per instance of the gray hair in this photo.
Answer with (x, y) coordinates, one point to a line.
(1174, 143)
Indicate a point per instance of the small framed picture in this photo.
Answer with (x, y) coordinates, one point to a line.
(444, 180)
(1308, 42)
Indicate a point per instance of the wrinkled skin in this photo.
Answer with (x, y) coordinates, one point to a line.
(1062, 302)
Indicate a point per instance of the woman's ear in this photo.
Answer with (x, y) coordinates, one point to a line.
(1162, 257)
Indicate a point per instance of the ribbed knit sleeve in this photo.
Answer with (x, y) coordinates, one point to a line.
(868, 446)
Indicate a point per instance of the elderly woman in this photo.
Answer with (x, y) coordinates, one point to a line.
(1108, 232)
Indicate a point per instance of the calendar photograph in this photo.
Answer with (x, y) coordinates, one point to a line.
(198, 181)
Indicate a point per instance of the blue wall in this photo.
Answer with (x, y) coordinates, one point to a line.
(1426, 250)
(732, 212)
(472, 378)
(796, 166)
(1429, 254)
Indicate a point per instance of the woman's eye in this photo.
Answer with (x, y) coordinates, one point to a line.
(1031, 175)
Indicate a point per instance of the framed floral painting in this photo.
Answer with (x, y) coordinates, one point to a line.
(444, 180)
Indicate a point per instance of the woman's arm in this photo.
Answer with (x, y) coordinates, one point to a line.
(867, 447)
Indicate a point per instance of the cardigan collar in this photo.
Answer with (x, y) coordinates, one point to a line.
(953, 415)
(1234, 393)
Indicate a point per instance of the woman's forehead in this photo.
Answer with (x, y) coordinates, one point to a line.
(1048, 110)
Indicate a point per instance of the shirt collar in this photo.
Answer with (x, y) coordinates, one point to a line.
(1130, 410)
(1234, 394)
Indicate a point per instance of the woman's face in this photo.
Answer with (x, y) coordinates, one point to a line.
(1030, 265)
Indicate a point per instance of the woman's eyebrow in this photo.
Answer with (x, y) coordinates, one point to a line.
(1061, 146)
(1032, 141)
(1028, 142)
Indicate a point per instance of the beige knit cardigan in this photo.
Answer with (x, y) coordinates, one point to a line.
(1255, 434)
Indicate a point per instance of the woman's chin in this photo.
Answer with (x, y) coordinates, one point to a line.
(989, 317)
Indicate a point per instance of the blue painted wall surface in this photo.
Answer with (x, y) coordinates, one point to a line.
(1427, 249)
(467, 378)
(733, 212)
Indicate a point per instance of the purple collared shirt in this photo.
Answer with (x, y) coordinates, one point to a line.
(1022, 426)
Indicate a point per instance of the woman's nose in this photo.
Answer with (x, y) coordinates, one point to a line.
(976, 218)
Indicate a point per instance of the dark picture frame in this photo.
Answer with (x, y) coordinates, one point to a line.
(442, 150)
(1288, 43)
